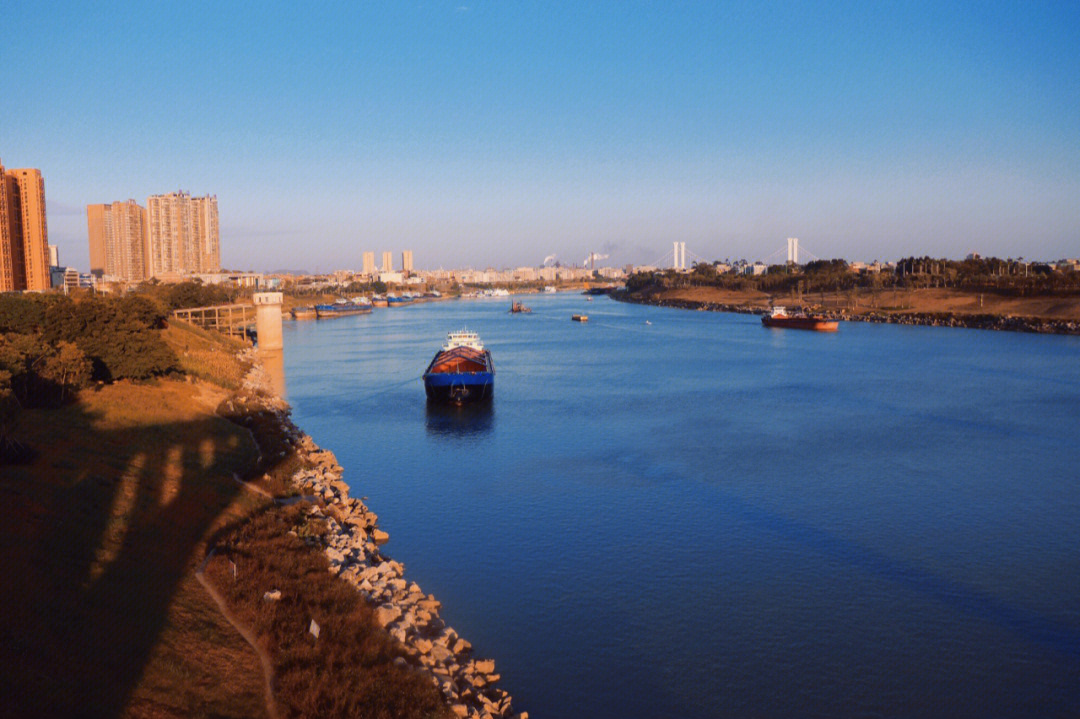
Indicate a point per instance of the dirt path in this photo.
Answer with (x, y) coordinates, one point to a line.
(247, 634)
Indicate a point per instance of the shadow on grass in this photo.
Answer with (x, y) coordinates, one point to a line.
(96, 537)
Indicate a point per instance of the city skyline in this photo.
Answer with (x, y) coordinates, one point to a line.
(494, 135)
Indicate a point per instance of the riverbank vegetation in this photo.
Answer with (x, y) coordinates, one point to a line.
(937, 291)
(128, 435)
(1004, 277)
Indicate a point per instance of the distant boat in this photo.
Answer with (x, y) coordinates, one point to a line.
(779, 317)
(579, 318)
(303, 313)
(461, 372)
(378, 301)
(344, 308)
(517, 308)
(549, 289)
(647, 322)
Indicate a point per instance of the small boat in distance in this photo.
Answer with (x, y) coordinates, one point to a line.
(462, 371)
(579, 318)
(303, 313)
(344, 308)
(378, 301)
(779, 317)
(518, 308)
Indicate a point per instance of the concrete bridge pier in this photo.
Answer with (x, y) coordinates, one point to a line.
(268, 320)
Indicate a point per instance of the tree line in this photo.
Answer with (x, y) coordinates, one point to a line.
(1010, 277)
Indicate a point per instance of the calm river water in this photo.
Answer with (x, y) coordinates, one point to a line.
(701, 517)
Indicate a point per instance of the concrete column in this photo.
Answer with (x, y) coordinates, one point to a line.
(268, 319)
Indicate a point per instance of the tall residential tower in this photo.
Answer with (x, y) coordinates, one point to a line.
(24, 236)
(118, 240)
(182, 234)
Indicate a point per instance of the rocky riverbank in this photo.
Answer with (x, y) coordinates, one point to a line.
(352, 545)
(929, 319)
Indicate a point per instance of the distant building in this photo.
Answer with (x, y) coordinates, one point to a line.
(183, 234)
(54, 256)
(388, 262)
(391, 278)
(406, 261)
(525, 274)
(119, 241)
(24, 236)
(369, 263)
(69, 278)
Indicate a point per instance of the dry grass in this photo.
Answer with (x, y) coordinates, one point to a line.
(349, 670)
(100, 610)
(210, 356)
(99, 541)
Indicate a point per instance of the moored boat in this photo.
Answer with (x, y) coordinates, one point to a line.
(303, 313)
(378, 301)
(344, 308)
(779, 317)
(461, 372)
(517, 308)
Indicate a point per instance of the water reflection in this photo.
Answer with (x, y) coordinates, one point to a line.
(470, 420)
(274, 363)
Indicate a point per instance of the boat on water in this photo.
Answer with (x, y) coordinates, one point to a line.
(461, 372)
(378, 301)
(579, 318)
(344, 307)
(303, 313)
(549, 289)
(780, 317)
(393, 300)
(517, 308)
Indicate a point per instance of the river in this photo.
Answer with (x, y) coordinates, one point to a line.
(670, 513)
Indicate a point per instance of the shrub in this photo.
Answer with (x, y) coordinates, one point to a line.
(196, 294)
(116, 334)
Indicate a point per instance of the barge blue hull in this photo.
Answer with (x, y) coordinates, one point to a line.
(460, 388)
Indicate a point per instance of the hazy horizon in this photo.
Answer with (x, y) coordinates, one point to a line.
(491, 134)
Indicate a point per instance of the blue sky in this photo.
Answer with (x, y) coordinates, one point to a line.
(496, 133)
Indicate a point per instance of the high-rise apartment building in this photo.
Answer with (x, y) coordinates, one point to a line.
(24, 236)
(406, 261)
(118, 240)
(183, 234)
(207, 238)
(388, 262)
(369, 263)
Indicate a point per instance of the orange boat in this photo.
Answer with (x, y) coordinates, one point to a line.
(779, 317)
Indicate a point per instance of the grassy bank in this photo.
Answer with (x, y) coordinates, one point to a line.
(102, 533)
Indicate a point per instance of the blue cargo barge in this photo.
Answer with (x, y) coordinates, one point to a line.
(461, 372)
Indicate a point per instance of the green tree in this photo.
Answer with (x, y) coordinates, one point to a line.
(66, 368)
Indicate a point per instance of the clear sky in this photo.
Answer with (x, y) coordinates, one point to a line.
(496, 133)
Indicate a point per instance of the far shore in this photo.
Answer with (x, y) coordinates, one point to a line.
(1049, 314)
